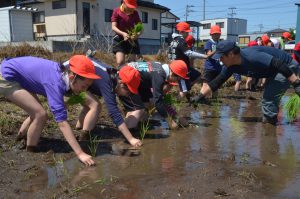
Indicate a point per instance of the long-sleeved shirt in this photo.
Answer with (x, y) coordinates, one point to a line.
(39, 76)
(256, 62)
(153, 78)
(104, 87)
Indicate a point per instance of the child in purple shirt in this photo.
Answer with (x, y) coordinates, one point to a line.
(27, 77)
(123, 19)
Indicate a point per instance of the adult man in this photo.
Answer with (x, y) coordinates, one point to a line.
(272, 63)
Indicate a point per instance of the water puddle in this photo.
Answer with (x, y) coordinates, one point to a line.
(227, 132)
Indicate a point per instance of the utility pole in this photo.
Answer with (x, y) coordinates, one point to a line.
(232, 12)
(188, 10)
(203, 9)
(261, 26)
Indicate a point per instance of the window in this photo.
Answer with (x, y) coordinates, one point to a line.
(38, 17)
(144, 17)
(220, 24)
(59, 4)
(108, 14)
(244, 40)
(154, 24)
(206, 26)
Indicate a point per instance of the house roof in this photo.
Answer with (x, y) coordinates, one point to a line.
(277, 30)
(26, 2)
(148, 4)
(177, 18)
(20, 8)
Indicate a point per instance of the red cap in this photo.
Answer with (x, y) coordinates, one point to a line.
(131, 3)
(297, 47)
(183, 27)
(131, 77)
(265, 39)
(252, 43)
(287, 35)
(179, 68)
(190, 40)
(83, 66)
(215, 30)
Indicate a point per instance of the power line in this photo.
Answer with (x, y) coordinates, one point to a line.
(188, 11)
(232, 12)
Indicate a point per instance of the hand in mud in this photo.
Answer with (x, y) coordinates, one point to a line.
(296, 85)
(86, 159)
(135, 142)
(173, 125)
(198, 99)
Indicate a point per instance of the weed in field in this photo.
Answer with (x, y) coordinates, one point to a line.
(245, 158)
(101, 181)
(145, 125)
(93, 145)
(81, 187)
(292, 107)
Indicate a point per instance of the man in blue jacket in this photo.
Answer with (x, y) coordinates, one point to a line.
(261, 62)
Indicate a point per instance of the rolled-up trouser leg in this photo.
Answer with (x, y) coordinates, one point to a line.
(274, 89)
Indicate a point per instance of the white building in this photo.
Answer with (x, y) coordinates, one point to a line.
(168, 22)
(16, 24)
(63, 20)
(230, 28)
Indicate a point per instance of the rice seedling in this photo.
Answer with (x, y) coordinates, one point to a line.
(138, 28)
(145, 124)
(292, 107)
(77, 99)
(93, 145)
(80, 188)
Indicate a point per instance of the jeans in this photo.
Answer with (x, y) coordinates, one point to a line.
(275, 88)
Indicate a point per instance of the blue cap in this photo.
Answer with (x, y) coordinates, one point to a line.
(222, 48)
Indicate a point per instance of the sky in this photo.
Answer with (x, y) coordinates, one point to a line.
(261, 15)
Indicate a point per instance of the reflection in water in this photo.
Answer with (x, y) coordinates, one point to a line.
(271, 153)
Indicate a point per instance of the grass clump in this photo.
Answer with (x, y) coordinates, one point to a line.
(93, 145)
(292, 107)
(138, 28)
(145, 124)
(77, 99)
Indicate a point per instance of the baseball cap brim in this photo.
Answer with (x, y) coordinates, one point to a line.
(217, 56)
(132, 88)
(133, 6)
(88, 75)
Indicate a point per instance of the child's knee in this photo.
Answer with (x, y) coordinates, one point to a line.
(41, 115)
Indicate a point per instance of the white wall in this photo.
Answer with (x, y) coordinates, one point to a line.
(4, 24)
(21, 25)
(167, 17)
(232, 28)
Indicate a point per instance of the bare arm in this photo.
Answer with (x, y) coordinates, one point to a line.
(118, 31)
(68, 134)
(125, 131)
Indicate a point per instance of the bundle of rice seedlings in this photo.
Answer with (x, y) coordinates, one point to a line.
(77, 99)
(292, 107)
(138, 28)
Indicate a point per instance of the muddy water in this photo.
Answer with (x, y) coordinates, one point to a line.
(228, 139)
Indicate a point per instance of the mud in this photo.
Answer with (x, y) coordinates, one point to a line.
(225, 152)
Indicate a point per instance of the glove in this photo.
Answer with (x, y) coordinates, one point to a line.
(198, 99)
(296, 86)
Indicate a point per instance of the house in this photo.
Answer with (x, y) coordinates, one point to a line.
(276, 32)
(244, 39)
(64, 20)
(230, 27)
(168, 22)
(16, 24)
